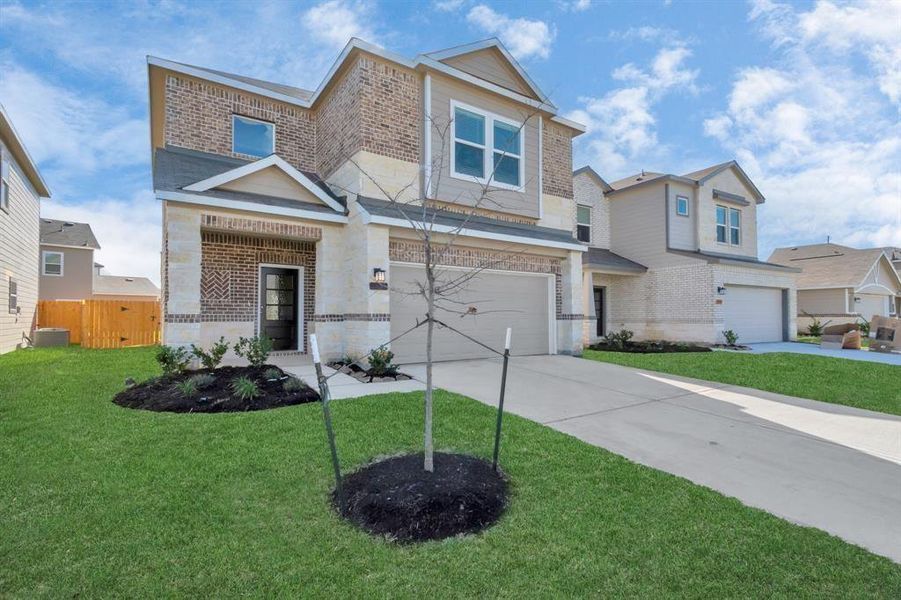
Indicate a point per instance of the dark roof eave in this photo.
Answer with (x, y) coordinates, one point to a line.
(733, 260)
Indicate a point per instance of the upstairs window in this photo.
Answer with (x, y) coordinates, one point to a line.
(682, 206)
(13, 297)
(486, 147)
(4, 181)
(583, 224)
(728, 226)
(52, 263)
(252, 137)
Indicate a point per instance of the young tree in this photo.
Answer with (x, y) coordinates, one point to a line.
(441, 287)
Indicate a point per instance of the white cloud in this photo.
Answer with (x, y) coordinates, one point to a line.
(447, 5)
(128, 231)
(524, 38)
(336, 21)
(822, 142)
(622, 135)
(574, 5)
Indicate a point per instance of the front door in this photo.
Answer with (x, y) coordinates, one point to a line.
(599, 311)
(278, 306)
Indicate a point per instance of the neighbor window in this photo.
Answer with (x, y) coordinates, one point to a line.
(52, 263)
(682, 206)
(4, 182)
(583, 224)
(13, 296)
(487, 147)
(728, 225)
(252, 137)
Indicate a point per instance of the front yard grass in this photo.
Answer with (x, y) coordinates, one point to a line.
(99, 500)
(872, 386)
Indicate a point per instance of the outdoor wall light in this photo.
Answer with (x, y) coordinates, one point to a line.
(721, 290)
(857, 299)
(378, 280)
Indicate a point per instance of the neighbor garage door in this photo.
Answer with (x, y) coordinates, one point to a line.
(754, 313)
(501, 300)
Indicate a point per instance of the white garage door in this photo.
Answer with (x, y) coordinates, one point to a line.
(754, 313)
(500, 300)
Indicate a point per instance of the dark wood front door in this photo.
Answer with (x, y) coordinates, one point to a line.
(278, 307)
(599, 310)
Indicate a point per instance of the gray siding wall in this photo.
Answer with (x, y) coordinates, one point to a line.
(78, 275)
(638, 227)
(19, 236)
(683, 234)
(727, 181)
(468, 193)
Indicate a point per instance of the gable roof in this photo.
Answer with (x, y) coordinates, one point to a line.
(587, 170)
(829, 265)
(20, 152)
(307, 99)
(698, 177)
(67, 233)
(124, 286)
(496, 45)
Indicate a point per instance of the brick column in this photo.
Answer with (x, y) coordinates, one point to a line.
(569, 322)
(181, 276)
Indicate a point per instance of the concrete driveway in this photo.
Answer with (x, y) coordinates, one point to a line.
(821, 465)
(802, 348)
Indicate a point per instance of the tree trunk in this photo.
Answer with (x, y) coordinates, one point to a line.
(430, 299)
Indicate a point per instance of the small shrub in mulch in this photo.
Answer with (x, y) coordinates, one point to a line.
(397, 499)
(366, 375)
(226, 389)
(649, 347)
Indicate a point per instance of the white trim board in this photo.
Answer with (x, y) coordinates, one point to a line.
(273, 160)
(249, 206)
(62, 261)
(488, 148)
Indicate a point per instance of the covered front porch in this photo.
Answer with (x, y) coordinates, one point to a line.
(609, 281)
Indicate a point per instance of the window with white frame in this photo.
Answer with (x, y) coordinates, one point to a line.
(583, 224)
(486, 147)
(4, 181)
(728, 225)
(52, 263)
(252, 136)
(682, 206)
(13, 297)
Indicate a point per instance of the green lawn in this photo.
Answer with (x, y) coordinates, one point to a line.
(98, 500)
(840, 381)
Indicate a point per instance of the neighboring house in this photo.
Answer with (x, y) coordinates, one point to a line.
(275, 212)
(68, 270)
(841, 284)
(21, 188)
(894, 254)
(674, 257)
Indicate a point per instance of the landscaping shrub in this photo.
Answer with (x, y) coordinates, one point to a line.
(188, 387)
(380, 364)
(294, 384)
(618, 339)
(203, 380)
(172, 360)
(864, 327)
(245, 388)
(255, 350)
(816, 326)
(211, 359)
(272, 373)
(731, 337)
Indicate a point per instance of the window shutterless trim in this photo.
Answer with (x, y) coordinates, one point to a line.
(489, 150)
(687, 207)
(728, 226)
(580, 224)
(270, 123)
(62, 260)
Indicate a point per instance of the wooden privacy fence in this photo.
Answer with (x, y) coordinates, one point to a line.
(103, 323)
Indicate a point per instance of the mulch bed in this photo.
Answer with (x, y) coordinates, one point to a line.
(651, 347)
(398, 499)
(163, 394)
(366, 375)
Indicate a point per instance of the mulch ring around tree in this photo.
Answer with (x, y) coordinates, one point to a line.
(398, 499)
(168, 393)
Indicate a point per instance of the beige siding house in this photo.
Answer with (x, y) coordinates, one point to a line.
(21, 188)
(839, 284)
(674, 257)
(281, 210)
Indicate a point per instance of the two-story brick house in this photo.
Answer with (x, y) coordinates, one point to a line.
(675, 257)
(281, 214)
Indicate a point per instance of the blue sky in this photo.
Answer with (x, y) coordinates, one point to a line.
(806, 96)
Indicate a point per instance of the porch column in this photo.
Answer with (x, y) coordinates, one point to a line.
(570, 321)
(181, 275)
(367, 322)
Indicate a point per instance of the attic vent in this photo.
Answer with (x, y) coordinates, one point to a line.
(47, 221)
(67, 224)
(794, 249)
(129, 279)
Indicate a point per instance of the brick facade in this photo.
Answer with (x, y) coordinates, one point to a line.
(557, 150)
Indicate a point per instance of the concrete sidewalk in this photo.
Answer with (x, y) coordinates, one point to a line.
(827, 466)
(801, 348)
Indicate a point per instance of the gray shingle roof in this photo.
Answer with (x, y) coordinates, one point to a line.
(828, 264)
(67, 233)
(288, 90)
(719, 257)
(626, 182)
(174, 168)
(124, 286)
(474, 222)
(602, 258)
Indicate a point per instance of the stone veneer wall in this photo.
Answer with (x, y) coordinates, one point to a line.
(557, 150)
(198, 117)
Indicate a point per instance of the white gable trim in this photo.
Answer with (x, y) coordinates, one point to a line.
(249, 206)
(273, 160)
(891, 269)
(741, 175)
